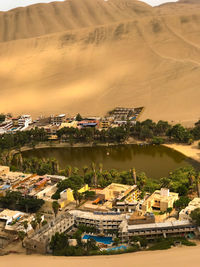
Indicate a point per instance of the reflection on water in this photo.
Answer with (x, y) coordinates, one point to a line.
(156, 161)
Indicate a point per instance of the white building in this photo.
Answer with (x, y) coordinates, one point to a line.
(24, 121)
(185, 213)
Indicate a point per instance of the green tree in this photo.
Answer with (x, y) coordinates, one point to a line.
(179, 133)
(58, 242)
(34, 224)
(197, 180)
(181, 203)
(169, 210)
(78, 117)
(44, 222)
(157, 140)
(55, 207)
(38, 218)
(25, 224)
(2, 117)
(21, 235)
(195, 215)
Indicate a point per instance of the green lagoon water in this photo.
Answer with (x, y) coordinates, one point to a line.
(155, 161)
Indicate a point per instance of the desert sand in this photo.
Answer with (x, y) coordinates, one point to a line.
(90, 56)
(184, 257)
(192, 151)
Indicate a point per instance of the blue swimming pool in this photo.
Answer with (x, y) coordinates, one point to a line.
(117, 248)
(100, 239)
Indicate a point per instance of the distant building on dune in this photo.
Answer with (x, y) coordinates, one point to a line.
(57, 119)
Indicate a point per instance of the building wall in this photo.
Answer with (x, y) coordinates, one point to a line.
(39, 242)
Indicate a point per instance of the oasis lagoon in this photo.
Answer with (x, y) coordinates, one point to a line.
(155, 161)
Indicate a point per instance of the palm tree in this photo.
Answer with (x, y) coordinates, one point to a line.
(165, 182)
(19, 160)
(55, 166)
(93, 166)
(75, 194)
(191, 178)
(34, 224)
(134, 177)
(75, 170)
(68, 171)
(21, 235)
(85, 169)
(38, 218)
(100, 168)
(25, 224)
(197, 178)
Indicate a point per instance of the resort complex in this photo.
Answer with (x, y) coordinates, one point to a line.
(117, 212)
(89, 211)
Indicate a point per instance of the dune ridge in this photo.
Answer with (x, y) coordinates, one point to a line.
(89, 56)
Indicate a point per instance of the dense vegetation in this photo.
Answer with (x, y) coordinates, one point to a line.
(166, 243)
(195, 215)
(60, 245)
(14, 200)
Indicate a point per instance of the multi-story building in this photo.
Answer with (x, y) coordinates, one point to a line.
(24, 121)
(57, 119)
(156, 230)
(39, 241)
(160, 200)
(105, 222)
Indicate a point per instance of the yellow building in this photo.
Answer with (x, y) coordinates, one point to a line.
(67, 196)
(69, 124)
(160, 200)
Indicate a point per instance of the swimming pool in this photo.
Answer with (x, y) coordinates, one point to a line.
(100, 239)
(117, 248)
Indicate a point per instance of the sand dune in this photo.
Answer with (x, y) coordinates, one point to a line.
(185, 257)
(89, 56)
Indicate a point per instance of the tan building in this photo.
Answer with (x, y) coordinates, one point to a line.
(117, 191)
(160, 200)
(139, 218)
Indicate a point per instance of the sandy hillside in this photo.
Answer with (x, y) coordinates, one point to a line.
(89, 56)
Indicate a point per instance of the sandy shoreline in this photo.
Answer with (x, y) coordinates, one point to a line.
(183, 256)
(190, 151)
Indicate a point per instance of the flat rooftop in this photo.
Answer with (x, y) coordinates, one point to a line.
(159, 225)
(97, 215)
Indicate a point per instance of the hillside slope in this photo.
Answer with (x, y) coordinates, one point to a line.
(89, 56)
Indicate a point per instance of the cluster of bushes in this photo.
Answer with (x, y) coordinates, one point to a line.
(16, 201)
(166, 243)
(60, 245)
(19, 139)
